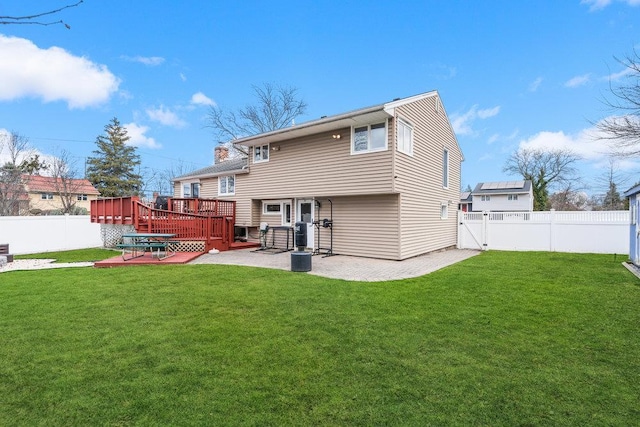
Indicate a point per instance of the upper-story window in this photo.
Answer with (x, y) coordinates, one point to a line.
(485, 198)
(405, 137)
(369, 138)
(445, 168)
(82, 197)
(512, 197)
(227, 185)
(261, 153)
(46, 196)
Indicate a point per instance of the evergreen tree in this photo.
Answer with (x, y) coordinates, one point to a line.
(612, 200)
(112, 170)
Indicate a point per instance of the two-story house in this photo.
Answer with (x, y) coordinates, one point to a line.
(387, 177)
(504, 196)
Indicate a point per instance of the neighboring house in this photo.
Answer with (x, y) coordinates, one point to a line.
(634, 230)
(466, 204)
(504, 196)
(387, 176)
(45, 193)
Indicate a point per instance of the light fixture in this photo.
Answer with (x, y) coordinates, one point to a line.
(336, 136)
(275, 148)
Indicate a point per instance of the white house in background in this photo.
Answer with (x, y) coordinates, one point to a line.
(506, 196)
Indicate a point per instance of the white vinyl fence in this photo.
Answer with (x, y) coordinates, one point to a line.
(33, 234)
(582, 232)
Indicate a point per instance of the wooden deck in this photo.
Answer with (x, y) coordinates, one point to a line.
(147, 259)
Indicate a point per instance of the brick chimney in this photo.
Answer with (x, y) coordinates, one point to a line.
(221, 153)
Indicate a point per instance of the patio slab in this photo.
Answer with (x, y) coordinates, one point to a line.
(344, 267)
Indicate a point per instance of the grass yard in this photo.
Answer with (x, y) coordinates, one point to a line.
(502, 338)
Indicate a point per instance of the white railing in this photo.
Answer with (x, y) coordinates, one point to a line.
(581, 231)
(34, 234)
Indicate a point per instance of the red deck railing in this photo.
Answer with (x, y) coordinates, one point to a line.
(208, 220)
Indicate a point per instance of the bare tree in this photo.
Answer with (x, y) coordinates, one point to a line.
(570, 197)
(623, 131)
(276, 107)
(544, 168)
(66, 185)
(608, 183)
(35, 18)
(13, 198)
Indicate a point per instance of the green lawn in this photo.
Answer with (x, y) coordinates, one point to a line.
(502, 338)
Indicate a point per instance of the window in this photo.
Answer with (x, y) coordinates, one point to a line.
(186, 190)
(444, 211)
(405, 137)
(512, 197)
(271, 208)
(82, 197)
(485, 198)
(445, 168)
(286, 213)
(260, 153)
(195, 189)
(46, 196)
(227, 185)
(369, 138)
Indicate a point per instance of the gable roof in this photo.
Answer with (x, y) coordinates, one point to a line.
(633, 190)
(226, 167)
(47, 184)
(362, 116)
(503, 187)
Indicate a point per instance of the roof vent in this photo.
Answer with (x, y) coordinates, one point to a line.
(396, 99)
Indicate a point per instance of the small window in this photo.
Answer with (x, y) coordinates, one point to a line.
(485, 198)
(512, 197)
(445, 168)
(82, 197)
(227, 185)
(260, 153)
(186, 190)
(369, 138)
(195, 189)
(271, 208)
(405, 137)
(444, 211)
(46, 196)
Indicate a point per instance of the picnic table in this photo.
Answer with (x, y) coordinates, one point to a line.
(135, 245)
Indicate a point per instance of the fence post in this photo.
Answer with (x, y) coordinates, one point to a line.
(552, 232)
(485, 230)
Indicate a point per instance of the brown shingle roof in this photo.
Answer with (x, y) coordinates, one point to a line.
(47, 184)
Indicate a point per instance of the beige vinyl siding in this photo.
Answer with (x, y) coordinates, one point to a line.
(318, 165)
(419, 180)
(363, 225)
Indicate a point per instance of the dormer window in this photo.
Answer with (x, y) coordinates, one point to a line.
(261, 153)
(369, 138)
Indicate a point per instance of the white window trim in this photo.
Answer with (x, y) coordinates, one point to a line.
(262, 159)
(445, 168)
(189, 184)
(444, 210)
(46, 196)
(220, 193)
(369, 150)
(406, 123)
(265, 204)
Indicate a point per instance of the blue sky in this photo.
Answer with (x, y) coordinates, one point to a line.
(510, 73)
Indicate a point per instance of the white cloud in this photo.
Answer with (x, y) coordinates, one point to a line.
(138, 137)
(578, 81)
(601, 4)
(151, 61)
(165, 116)
(619, 75)
(200, 98)
(462, 122)
(586, 144)
(183, 77)
(535, 84)
(52, 74)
